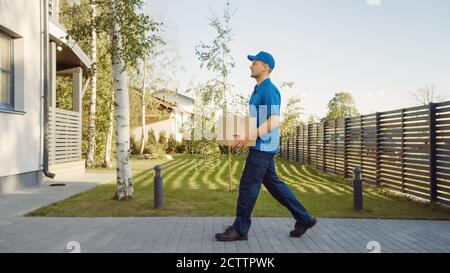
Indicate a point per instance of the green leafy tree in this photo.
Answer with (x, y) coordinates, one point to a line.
(341, 106)
(130, 37)
(73, 17)
(291, 116)
(203, 127)
(93, 94)
(312, 119)
(216, 56)
(156, 72)
(64, 92)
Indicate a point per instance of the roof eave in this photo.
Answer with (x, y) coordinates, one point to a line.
(58, 34)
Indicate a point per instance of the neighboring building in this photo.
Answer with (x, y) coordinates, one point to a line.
(177, 115)
(183, 113)
(22, 77)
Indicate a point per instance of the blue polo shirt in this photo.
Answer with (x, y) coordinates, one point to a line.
(264, 102)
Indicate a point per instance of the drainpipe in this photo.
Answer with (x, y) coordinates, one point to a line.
(46, 91)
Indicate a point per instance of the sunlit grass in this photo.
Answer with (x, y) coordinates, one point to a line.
(190, 190)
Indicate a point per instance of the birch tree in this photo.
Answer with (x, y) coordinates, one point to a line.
(143, 106)
(92, 109)
(158, 73)
(121, 114)
(81, 22)
(109, 137)
(130, 39)
(216, 56)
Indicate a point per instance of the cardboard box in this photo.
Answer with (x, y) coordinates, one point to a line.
(228, 126)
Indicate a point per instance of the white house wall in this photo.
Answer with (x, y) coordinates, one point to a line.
(20, 143)
(167, 125)
(184, 103)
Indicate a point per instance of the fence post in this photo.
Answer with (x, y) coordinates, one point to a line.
(403, 150)
(357, 190)
(281, 146)
(432, 128)
(316, 126)
(304, 138)
(361, 140)
(297, 130)
(302, 144)
(305, 144)
(335, 146)
(378, 149)
(345, 147)
(323, 145)
(287, 146)
(299, 144)
(308, 142)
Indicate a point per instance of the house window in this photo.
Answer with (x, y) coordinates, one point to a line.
(6, 72)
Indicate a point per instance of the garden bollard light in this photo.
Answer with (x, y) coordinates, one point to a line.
(158, 188)
(357, 190)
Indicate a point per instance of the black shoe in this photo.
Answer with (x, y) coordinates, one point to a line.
(299, 230)
(230, 234)
(227, 228)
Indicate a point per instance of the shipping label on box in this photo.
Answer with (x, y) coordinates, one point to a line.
(229, 126)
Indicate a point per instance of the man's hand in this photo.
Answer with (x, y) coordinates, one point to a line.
(240, 141)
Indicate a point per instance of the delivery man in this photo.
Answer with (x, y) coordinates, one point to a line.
(260, 163)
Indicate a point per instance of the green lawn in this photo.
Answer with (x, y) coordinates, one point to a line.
(196, 192)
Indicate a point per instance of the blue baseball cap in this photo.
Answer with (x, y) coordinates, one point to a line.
(265, 57)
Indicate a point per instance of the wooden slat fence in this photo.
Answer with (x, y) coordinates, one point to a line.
(406, 150)
(64, 136)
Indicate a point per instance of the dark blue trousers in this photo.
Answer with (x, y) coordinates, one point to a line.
(260, 169)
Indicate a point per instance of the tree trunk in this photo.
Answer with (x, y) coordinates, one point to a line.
(122, 117)
(225, 112)
(143, 104)
(108, 163)
(91, 130)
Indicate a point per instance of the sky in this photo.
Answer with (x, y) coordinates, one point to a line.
(378, 50)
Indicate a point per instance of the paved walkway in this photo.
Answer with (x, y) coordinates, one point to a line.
(19, 203)
(196, 234)
(193, 234)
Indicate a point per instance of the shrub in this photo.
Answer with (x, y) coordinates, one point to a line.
(134, 146)
(151, 139)
(171, 144)
(182, 147)
(162, 137)
(157, 150)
